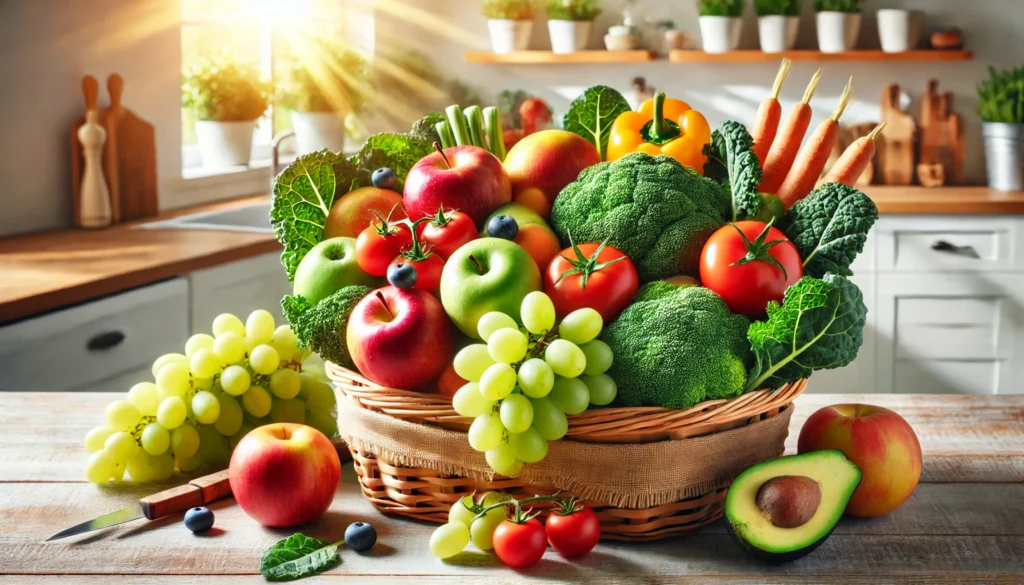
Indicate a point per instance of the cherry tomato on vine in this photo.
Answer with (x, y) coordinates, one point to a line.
(448, 231)
(749, 263)
(573, 528)
(520, 544)
(380, 243)
(591, 275)
(427, 264)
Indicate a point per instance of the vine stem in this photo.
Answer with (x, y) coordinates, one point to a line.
(515, 502)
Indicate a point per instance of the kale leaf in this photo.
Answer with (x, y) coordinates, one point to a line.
(829, 228)
(733, 164)
(592, 114)
(820, 325)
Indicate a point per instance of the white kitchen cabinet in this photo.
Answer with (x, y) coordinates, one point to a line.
(103, 345)
(239, 288)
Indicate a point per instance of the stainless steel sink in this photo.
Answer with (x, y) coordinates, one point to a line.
(251, 217)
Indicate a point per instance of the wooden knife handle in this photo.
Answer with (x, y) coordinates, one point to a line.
(198, 492)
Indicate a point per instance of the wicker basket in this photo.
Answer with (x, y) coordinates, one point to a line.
(426, 493)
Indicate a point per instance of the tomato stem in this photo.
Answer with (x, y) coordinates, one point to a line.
(517, 503)
(384, 302)
(758, 249)
(437, 147)
(417, 253)
(583, 265)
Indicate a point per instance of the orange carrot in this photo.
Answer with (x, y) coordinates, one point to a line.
(769, 115)
(855, 159)
(787, 143)
(812, 158)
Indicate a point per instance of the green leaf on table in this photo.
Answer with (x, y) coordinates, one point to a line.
(734, 165)
(298, 556)
(592, 114)
(819, 326)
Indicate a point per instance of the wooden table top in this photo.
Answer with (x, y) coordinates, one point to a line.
(963, 524)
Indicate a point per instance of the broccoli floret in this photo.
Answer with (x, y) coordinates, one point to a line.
(676, 347)
(653, 209)
(322, 326)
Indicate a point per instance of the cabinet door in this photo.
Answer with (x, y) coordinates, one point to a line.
(859, 376)
(950, 333)
(238, 288)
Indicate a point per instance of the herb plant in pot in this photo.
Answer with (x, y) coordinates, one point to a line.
(225, 97)
(321, 92)
(838, 25)
(1001, 105)
(510, 23)
(720, 24)
(569, 23)
(778, 22)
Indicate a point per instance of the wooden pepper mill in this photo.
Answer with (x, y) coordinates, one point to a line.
(95, 196)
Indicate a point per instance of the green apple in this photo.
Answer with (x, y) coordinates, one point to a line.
(519, 212)
(489, 274)
(329, 267)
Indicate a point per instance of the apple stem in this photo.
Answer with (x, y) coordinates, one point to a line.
(384, 302)
(437, 147)
(476, 263)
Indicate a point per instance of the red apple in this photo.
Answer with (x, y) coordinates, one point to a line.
(879, 442)
(354, 211)
(284, 474)
(467, 178)
(542, 164)
(400, 338)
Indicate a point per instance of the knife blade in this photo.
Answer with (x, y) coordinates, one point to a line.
(198, 492)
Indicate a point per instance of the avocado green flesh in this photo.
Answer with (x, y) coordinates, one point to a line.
(837, 478)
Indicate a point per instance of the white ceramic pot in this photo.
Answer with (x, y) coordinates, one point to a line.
(897, 30)
(318, 130)
(720, 34)
(224, 144)
(777, 33)
(569, 36)
(510, 35)
(837, 31)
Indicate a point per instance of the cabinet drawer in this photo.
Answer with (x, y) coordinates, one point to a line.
(84, 346)
(941, 245)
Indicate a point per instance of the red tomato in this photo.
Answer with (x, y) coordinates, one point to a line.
(603, 279)
(447, 232)
(574, 530)
(379, 244)
(520, 545)
(428, 270)
(751, 269)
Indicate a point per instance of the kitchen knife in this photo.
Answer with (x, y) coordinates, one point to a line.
(198, 492)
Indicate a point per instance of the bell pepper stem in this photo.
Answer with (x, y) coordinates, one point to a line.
(658, 127)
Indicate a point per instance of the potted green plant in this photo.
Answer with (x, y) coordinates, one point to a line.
(838, 25)
(510, 23)
(225, 97)
(1001, 106)
(321, 91)
(778, 22)
(720, 24)
(569, 23)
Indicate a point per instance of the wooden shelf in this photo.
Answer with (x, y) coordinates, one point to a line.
(749, 56)
(951, 200)
(546, 57)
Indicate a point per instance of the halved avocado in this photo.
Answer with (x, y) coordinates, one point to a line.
(783, 509)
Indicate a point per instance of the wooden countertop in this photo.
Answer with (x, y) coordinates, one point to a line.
(961, 525)
(45, 271)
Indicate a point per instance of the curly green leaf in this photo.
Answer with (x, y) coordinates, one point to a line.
(829, 228)
(591, 115)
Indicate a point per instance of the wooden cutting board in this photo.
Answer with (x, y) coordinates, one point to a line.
(895, 145)
(941, 152)
(130, 157)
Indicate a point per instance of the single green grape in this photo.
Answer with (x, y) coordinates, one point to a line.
(139, 468)
(205, 364)
(97, 437)
(498, 381)
(171, 413)
(581, 326)
(323, 422)
(536, 378)
(173, 379)
(228, 323)
(169, 358)
(599, 357)
(264, 360)
(602, 389)
(286, 343)
(529, 445)
(188, 464)
(230, 348)
(230, 419)
(461, 510)
(468, 401)
(565, 358)
(285, 383)
(120, 446)
(155, 439)
(538, 313)
(260, 325)
(145, 397)
(197, 342)
(504, 461)
(570, 395)
(122, 414)
(548, 420)
(256, 401)
(493, 321)
(449, 540)
(486, 431)
(235, 380)
(320, 398)
(472, 360)
(213, 446)
(162, 465)
(205, 407)
(516, 413)
(184, 441)
(507, 346)
(481, 531)
(100, 467)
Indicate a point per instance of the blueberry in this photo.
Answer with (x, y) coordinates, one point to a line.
(402, 275)
(502, 226)
(384, 178)
(199, 519)
(360, 536)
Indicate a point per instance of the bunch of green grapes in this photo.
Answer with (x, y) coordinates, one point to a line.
(202, 402)
(523, 383)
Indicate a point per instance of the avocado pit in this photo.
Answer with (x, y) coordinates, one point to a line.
(789, 501)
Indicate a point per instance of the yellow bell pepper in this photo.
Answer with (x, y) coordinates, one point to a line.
(662, 126)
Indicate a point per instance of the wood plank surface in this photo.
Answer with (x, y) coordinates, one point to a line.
(48, 270)
(911, 200)
(753, 55)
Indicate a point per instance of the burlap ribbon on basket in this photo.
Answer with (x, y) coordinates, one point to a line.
(635, 475)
